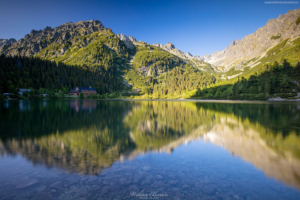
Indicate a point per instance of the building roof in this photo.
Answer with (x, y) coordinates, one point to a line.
(80, 89)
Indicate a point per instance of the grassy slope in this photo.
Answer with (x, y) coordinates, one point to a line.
(286, 49)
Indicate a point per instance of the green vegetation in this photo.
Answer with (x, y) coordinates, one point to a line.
(160, 74)
(26, 72)
(156, 58)
(232, 72)
(276, 78)
(272, 76)
(298, 20)
(275, 37)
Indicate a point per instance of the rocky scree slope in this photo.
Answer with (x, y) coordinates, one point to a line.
(275, 31)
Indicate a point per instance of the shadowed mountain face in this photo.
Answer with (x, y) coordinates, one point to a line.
(88, 136)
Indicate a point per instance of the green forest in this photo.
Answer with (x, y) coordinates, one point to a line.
(39, 74)
(276, 78)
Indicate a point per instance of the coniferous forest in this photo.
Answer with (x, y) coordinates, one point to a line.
(30, 72)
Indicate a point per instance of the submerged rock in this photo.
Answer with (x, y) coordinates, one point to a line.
(26, 183)
(57, 185)
(137, 178)
(158, 177)
(133, 188)
(105, 190)
(173, 182)
(124, 181)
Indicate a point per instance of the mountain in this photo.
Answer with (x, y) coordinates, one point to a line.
(37, 40)
(6, 42)
(171, 48)
(274, 32)
(112, 63)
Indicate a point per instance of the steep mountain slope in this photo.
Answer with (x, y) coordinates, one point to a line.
(158, 73)
(274, 32)
(86, 46)
(4, 42)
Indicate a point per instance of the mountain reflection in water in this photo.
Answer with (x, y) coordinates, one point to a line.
(266, 135)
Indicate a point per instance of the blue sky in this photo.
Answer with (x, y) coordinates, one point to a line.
(200, 27)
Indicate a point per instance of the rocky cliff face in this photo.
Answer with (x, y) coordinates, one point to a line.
(7, 42)
(257, 43)
(37, 40)
(125, 38)
(171, 48)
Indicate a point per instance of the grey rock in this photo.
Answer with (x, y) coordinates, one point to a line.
(147, 168)
(172, 182)
(57, 185)
(169, 46)
(208, 190)
(96, 188)
(92, 179)
(132, 39)
(26, 183)
(133, 188)
(124, 181)
(53, 191)
(172, 176)
(114, 188)
(158, 177)
(40, 188)
(188, 55)
(7, 41)
(185, 186)
(137, 178)
(125, 38)
(158, 183)
(105, 190)
(149, 179)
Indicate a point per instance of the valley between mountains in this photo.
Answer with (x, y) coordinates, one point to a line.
(264, 65)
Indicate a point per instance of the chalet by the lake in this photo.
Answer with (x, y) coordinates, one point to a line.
(87, 91)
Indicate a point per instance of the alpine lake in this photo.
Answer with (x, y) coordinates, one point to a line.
(149, 149)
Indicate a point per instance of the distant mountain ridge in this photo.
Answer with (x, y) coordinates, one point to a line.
(275, 31)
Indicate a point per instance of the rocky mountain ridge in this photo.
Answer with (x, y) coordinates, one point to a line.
(7, 42)
(171, 48)
(238, 52)
(255, 44)
(37, 40)
(130, 40)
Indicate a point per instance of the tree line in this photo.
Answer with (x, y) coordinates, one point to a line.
(276, 78)
(35, 73)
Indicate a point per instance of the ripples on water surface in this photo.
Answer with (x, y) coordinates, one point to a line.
(89, 149)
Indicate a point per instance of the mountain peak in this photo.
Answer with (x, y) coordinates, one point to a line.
(258, 42)
(35, 41)
(125, 38)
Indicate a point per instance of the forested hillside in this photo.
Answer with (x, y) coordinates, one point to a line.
(36, 73)
(160, 74)
(275, 74)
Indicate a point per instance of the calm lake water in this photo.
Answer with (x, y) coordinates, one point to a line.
(93, 149)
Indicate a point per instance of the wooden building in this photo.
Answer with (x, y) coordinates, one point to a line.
(85, 90)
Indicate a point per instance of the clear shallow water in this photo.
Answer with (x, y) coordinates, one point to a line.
(149, 150)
